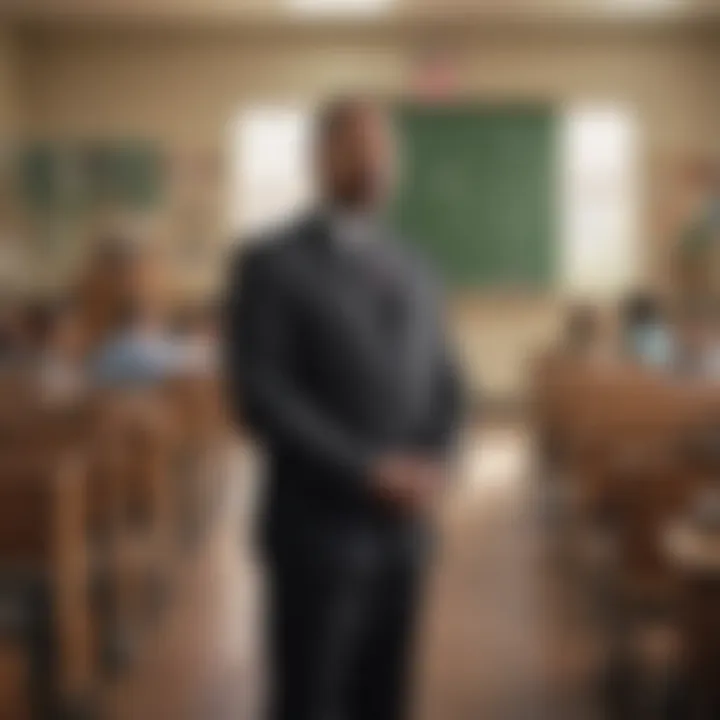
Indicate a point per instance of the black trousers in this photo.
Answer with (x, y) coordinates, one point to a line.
(340, 634)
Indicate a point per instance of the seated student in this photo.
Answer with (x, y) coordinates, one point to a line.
(582, 330)
(57, 350)
(588, 335)
(138, 352)
(646, 336)
(713, 359)
(696, 351)
(11, 345)
(123, 266)
(22, 332)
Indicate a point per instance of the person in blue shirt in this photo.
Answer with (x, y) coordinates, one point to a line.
(646, 335)
(140, 352)
(582, 330)
(697, 350)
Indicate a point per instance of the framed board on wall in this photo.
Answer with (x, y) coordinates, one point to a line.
(479, 192)
(69, 178)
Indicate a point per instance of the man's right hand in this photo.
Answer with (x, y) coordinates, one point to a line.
(403, 481)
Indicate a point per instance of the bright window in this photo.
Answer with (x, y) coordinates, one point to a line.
(270, 166)
(600, 201)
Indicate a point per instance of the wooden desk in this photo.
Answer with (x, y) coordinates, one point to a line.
(695, 555)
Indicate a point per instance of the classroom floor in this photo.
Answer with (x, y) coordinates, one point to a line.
(499, 641)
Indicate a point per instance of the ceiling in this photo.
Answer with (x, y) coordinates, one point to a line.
(276, 12)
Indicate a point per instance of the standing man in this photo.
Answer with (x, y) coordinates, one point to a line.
(338, 364)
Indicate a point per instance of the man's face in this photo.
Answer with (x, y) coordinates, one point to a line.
(357, 160)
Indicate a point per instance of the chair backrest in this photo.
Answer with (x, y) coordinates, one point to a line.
(39, 500)
(43, 541)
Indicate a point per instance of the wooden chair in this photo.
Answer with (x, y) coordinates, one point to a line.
(44, 581)
(634, 472)
(127, 509)
(130, 518)
(194, 404)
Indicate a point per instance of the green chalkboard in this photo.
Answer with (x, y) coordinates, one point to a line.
(73, 177)
(479, 192)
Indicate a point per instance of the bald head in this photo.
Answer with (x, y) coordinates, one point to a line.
(355, 154)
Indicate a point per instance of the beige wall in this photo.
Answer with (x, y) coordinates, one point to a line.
(8, 86)
(182, 87)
